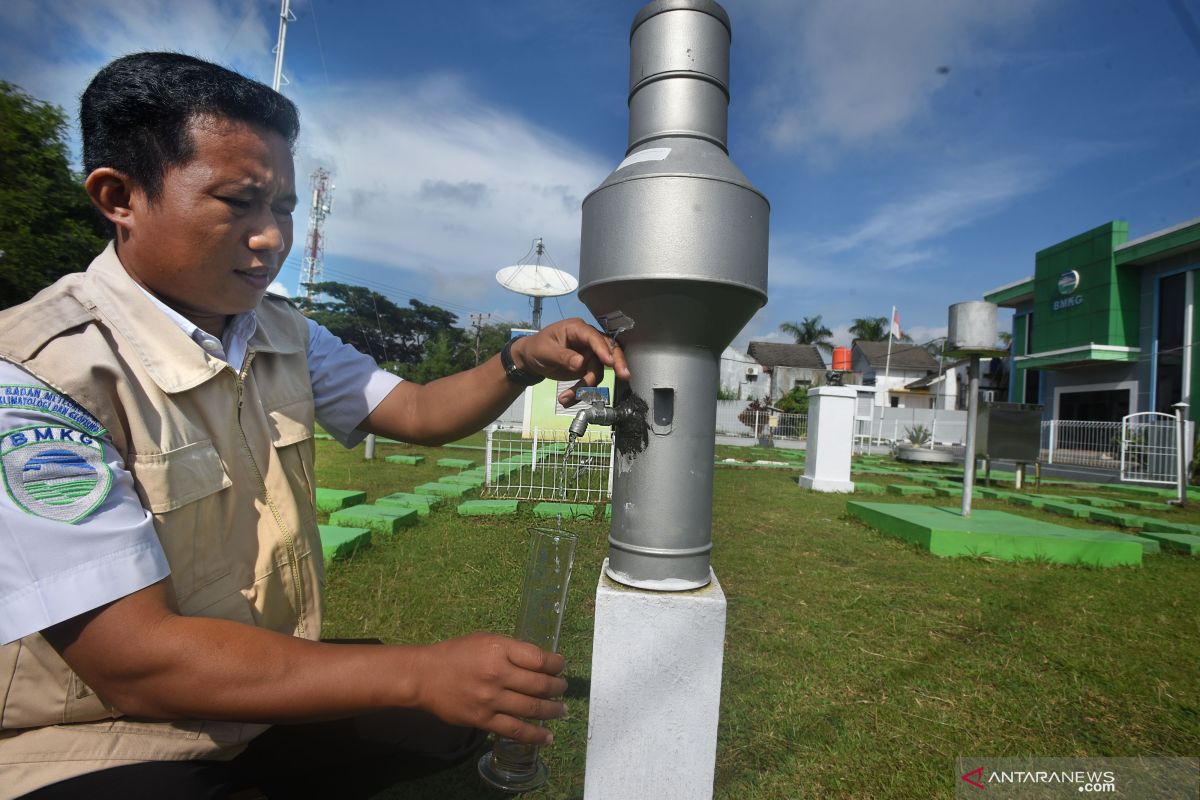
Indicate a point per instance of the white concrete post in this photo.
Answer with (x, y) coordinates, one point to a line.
(369, 450)
(830, 439)
(656, 692)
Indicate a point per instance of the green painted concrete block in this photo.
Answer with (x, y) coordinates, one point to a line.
(338, 542)
(1025, 500)
(378, 519)
(330, 500)
(1097, 502)
(1072, 510)
(455, 463)
(462, 480)
(423, 503)
(443, 489)
(1147, 505)
(322, 436)
(487, 508)
(905, 490)
(1186, 543)
(410, 460)
(1131, 521)
(1150, 547)
(1155, 524)
(570, 510)
(996, 534)
(865, 487)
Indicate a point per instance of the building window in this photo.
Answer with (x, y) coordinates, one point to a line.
(1106, 405)
(796, 384)
(1028, 334)
(1033, 386)
(1168, 367)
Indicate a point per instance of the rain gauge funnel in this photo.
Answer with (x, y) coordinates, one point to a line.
(673, 263)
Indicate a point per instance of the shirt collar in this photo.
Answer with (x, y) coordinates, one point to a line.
(230, 348)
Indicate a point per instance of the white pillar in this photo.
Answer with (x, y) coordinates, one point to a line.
(656, 692)
(830, 439)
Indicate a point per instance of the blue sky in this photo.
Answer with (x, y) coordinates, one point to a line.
(915, 153)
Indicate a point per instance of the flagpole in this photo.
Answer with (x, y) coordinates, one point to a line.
(887, 366)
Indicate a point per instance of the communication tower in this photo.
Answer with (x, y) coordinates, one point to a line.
(314, 243)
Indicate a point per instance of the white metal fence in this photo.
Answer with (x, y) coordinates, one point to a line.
(541, 468)
(1082, 443)
(733, 419)
(1149, 448)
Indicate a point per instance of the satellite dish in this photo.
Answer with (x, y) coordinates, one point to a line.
(537, 280)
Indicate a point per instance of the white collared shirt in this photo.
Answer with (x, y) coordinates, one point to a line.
(51, 570)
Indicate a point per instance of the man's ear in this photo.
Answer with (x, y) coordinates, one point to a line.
(112, 193)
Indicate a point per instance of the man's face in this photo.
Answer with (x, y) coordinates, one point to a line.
(219, 231)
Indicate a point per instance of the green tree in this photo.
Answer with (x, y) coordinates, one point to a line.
(492, 337)
(48, 227)
(378, 327)
(794, 402)
(869, 329)
(442, 356)
(809, 330)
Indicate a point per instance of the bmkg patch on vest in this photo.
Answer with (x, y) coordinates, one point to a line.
(54, 471)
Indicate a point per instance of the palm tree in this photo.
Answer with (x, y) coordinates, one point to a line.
(809, 331)
(869, 329)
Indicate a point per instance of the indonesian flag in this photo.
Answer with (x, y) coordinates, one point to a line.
(896, 323)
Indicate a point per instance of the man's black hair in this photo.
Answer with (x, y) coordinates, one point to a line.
(136, 112)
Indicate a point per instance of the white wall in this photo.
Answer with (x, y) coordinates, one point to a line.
(734, 368)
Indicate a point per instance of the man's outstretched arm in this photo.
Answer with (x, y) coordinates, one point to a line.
(458, 405)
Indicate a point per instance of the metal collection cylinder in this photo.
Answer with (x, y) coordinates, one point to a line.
(676, 241)
(972, 327)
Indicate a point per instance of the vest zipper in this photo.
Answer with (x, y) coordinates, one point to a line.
(289, 541)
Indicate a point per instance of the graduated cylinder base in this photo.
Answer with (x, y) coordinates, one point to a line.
(656, 692)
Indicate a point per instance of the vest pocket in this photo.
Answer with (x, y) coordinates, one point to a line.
(178, 487)
(177, 477)
(291, 429)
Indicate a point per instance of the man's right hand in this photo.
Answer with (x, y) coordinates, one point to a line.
(491, 682)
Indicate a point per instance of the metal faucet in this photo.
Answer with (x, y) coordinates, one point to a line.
(597, 412)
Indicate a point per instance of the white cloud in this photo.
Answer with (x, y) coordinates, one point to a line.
(433, 179)
(52, 48)
(905, 232)
(847, 73)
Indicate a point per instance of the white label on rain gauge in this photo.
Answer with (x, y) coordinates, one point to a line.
(650, 154)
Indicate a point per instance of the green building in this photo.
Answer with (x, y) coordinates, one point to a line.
(1105, 326)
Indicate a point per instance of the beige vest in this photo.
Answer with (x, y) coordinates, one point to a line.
(224, 462)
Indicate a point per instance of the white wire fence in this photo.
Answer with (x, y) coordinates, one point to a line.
(1082, 443)
(539, 467)
(738, 420)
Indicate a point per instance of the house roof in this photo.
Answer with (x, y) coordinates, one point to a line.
(771, 354)
(905, 355)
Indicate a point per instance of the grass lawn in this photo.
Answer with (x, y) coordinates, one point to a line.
(855, 665)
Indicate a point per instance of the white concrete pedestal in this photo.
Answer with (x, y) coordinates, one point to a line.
(656, 692)
(830, 439)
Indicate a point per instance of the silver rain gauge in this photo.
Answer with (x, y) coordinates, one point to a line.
(673, 264)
